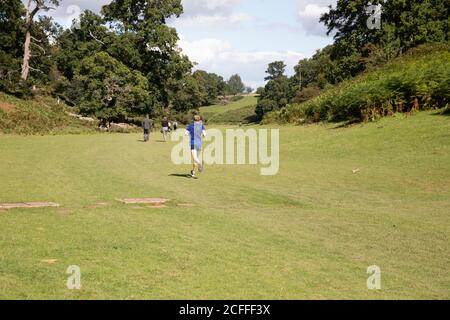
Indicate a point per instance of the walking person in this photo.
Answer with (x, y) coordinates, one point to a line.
(165, 128)
(147, 124)
(175, 126)
(196, 131)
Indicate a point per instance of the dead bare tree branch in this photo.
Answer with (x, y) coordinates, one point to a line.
(37, 70)
(92, 35)
(42, 49)
(37, 40)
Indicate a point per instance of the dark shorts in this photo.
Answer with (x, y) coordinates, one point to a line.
(146, 131)
(194, 147)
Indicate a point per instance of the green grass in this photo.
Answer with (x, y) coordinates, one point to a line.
(215, 114)
(309, 232)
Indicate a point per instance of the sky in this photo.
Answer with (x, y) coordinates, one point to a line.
(237, 36)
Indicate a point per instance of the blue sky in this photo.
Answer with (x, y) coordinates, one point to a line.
(238, 36)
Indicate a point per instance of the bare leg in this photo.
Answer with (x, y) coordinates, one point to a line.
(195, 161)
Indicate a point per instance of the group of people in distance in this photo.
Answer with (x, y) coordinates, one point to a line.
(166, 127)
(196, 131)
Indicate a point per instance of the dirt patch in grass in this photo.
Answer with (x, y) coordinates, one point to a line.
(49, 261)
(185, 205)
(99, 205)
(6, 107)
(149, 201)
(28, 205)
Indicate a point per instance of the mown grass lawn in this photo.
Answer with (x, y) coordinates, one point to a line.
(309, 232)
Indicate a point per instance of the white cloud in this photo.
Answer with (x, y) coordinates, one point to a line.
(211, 20)
(309, 14)
(312, 11)
(209, 7)
(210, 13)
(219, 56)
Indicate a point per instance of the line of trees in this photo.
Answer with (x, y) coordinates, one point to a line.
(405, 24)
(115, 65)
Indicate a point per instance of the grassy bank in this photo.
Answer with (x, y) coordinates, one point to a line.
(41, 115)
(241, 111)
(419, 80)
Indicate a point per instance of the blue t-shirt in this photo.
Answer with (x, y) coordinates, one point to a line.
(196, 132)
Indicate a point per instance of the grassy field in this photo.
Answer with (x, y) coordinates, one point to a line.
(234, 112)
(309, 232)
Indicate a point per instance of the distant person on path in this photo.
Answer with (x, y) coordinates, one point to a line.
(196, 131)
(175, 126)
(147, 124)
(165, 128)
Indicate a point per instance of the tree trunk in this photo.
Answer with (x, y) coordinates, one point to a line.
(27, 45)
(26, 57)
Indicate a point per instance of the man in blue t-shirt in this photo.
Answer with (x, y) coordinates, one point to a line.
(196, 131)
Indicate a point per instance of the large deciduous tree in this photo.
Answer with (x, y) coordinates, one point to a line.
(155, 41)
(415, 22)
(108, 89)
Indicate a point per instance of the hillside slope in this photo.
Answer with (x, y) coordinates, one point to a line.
(419, 80)
(41, 115)
(241, 111)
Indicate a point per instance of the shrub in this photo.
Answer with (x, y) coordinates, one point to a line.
(415, 82)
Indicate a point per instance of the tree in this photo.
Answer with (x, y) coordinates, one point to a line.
(29, 21)
(416, 22)
(190, 95)
(249, 90)
(139, 15)
(260, 90)
(162, 62)
(278, 91)
(275, 70)
(235, 85)
(78, 43)
(108, 89)
(306, 94)
(211, 84)
(11, 35)
(386, 50)
(318, 71)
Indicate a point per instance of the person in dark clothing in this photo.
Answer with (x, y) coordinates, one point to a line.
(165, 128)
(147, 124)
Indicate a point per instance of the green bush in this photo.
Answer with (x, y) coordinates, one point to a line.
(415, 82)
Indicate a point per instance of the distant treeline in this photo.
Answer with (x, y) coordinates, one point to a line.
(116, 65)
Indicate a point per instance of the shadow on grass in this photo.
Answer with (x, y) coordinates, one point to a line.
(442, 112)
(253, 119)
(346, 124)
(186, 176)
